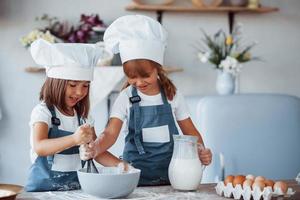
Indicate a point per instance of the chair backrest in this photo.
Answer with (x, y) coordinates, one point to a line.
(258, 134)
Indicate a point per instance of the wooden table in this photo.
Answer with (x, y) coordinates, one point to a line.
(205, 192)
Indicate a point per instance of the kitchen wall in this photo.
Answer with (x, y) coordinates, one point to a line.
(277, 34)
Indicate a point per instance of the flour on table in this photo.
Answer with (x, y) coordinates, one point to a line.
(140, 193)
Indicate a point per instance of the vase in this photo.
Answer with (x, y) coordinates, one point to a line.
(225, 84)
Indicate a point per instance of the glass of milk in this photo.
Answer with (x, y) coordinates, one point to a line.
(185, 169)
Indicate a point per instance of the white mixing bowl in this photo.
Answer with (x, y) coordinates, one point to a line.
(109, 183)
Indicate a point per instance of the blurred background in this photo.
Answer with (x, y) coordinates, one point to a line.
(276, 33)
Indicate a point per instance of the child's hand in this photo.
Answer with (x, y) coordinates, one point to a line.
(83, 135)
(88, 151)
(124, 167)
(205, 155)
(85, 152)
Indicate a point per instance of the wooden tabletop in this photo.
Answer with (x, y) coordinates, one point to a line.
(205, 192)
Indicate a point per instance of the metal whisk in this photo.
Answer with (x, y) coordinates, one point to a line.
(91, 167)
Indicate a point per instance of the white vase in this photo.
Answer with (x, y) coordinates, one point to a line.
(225, 84)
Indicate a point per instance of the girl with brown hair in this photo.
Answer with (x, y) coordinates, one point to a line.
(57, 123)
(149, 107)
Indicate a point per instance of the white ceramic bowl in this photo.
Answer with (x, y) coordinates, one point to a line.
(109, 183)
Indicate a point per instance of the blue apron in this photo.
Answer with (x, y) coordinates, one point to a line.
(152, 158)
(41, 177)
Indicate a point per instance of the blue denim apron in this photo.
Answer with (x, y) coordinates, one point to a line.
(152, 158)
(41, 177)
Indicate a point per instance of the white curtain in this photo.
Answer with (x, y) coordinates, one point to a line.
(105, 81)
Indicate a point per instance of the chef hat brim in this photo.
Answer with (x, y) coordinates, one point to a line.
(149, 50)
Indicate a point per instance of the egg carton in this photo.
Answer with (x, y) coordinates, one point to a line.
(238, 192)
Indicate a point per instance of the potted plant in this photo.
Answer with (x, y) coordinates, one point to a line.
(226, 52)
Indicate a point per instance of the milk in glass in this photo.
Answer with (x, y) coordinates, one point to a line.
(185, 169)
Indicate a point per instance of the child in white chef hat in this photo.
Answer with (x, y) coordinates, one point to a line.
(149, 107)
(58, 123)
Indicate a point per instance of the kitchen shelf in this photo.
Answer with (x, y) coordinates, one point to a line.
(42, 69)
(231, 10)
(136, 7)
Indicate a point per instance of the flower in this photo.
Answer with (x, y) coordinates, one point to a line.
(229, 40)
(230, 65)
(203, 57)
(36, 34)
(226, 52)
(88, 30)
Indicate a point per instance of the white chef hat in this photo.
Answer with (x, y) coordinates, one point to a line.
(136, 37)
(69, 61)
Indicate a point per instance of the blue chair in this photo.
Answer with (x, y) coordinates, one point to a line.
(257, 134)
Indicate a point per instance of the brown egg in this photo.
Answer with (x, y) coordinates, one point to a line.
(282, 185)
(248, 182)
(269, 182)
(228, 179)
(259, 178)
(250, 176)
(260, 184)
(239, 179)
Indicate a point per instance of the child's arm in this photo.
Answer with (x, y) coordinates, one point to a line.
(109, 136)
(112, 130)
(107, 159)
(187, 127)
(103, 142)
(44, 146)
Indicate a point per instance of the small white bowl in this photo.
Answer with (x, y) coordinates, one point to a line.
(109, 183)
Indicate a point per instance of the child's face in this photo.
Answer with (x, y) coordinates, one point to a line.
(143, 77)
(75, 92)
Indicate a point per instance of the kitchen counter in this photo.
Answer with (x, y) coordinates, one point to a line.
(205, 192)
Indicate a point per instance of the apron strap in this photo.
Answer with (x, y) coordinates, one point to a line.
(54, 120)
(137, 124)
(163, 95)
(80, 120)
(55, 123)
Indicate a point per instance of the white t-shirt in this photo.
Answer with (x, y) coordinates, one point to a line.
(41, 113)
(122, 105)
